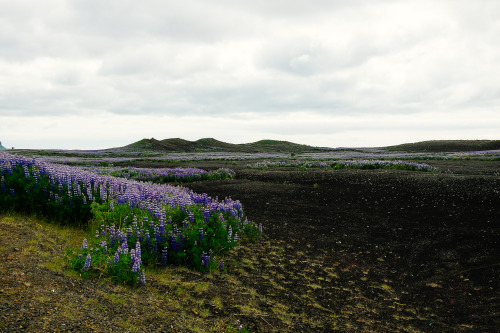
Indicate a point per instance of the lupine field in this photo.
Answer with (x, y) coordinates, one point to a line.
(364, 240)
(136, 223)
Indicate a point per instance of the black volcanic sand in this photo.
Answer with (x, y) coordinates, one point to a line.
(384, 250)
(343, 250)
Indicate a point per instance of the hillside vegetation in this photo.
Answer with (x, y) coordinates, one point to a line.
(435, 146)
(211, 145)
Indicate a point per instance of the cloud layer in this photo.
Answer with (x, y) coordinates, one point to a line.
(270, 60)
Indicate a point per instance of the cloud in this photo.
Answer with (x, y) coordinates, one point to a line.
(265, 58)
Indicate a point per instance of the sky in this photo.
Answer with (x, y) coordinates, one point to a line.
(93, 74)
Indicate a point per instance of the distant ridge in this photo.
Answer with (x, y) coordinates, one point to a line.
(2, 147)
(213, 145)
(435, 146)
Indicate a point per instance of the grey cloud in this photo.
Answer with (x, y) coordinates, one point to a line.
(187, 21)
(297, 9)
(166, 57)
(306, 56)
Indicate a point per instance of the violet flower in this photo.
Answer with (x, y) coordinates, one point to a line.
(87, 263)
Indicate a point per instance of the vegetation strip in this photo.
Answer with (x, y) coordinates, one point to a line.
(346, 164)
(165, 175)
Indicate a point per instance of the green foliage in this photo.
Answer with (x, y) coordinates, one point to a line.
(102, 265)
(123, 227)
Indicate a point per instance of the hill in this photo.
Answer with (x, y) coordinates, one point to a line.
(213, 145)
(436, 146)
(2, 147)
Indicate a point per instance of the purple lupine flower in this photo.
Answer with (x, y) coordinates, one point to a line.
(206, 214)
(116, 258)
(164, 253)
(84, 244)
(138, 252)
(104, 245)
(134, 224)
(205, 259)
(221, 264)
(173, 243)
(142, 278)
(12, 193)
(161, 225)
(87, 263)
(136, 267)
(132, 257)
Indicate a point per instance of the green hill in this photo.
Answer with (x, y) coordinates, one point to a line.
(435, 146)
(2, 147)
(210, 144)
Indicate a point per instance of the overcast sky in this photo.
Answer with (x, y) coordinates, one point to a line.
(92, 74)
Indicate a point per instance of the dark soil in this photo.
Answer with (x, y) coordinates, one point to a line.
(344, 250)
(427, 244)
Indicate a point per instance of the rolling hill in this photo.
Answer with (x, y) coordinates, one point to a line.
(213, 145)
(276, 146)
